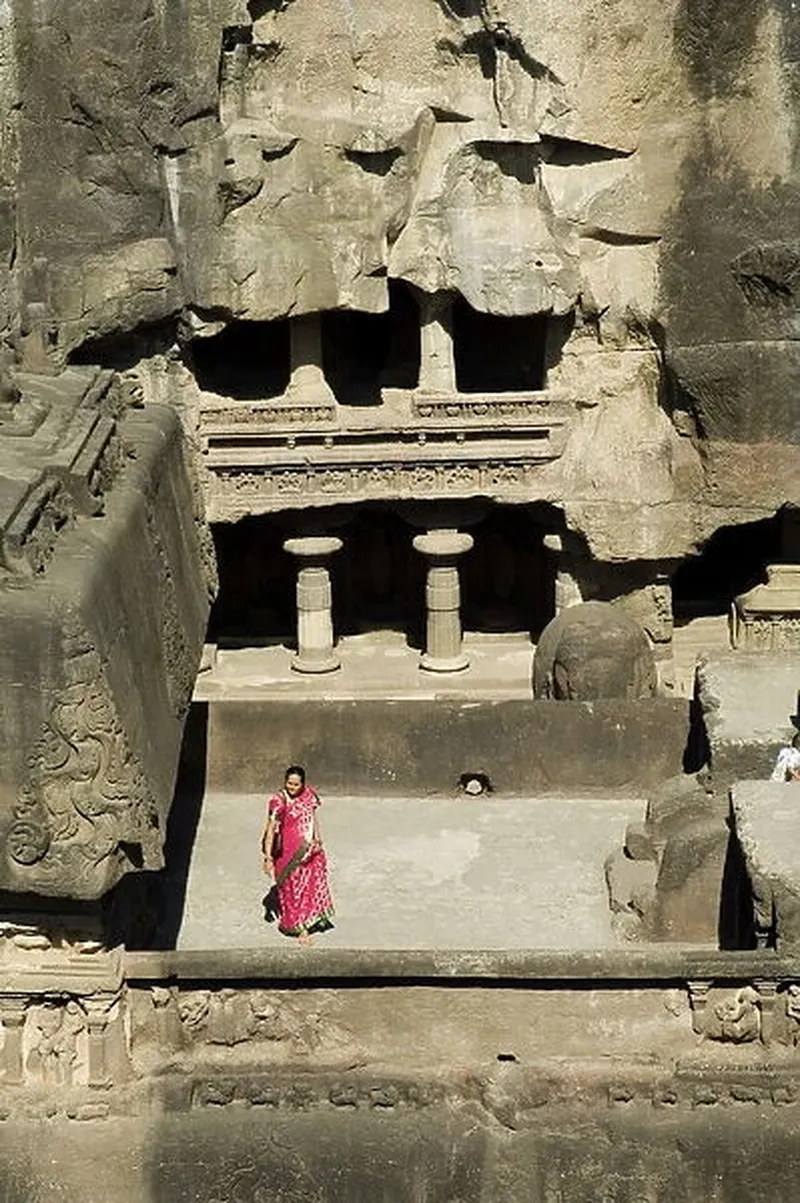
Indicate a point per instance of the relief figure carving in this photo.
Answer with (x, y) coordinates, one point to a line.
(53, 1056)
(738, 1017)
(85, 792)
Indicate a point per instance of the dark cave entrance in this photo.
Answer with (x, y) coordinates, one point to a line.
(248, 361)
(732, 561)
(378, 579)
(496, 354)
(365, 352)
(508, 579)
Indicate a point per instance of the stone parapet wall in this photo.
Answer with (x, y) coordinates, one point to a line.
(339, 1075)
(386, 747)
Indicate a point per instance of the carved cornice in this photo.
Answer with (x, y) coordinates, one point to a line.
(427, 445)
(55, 468)
(237, 491)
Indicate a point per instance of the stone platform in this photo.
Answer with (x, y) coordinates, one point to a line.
(378, 664)
(767, 817)
(420, 873)
(747, 699)
(382, 664)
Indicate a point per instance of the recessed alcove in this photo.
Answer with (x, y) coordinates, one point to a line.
(255, 605)
(495, 354)
(732, 561)
(365, 352)
(247, 360)
(378, 579)
(507, 580)
(126, 348)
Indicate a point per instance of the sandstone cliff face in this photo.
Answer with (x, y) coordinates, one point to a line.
(175, 167)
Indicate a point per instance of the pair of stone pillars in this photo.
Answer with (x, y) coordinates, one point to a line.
(444, 651)
(307, 381)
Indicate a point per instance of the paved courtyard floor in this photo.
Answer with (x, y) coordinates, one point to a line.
(464, 872)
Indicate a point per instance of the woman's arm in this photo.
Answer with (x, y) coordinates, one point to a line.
(316, 841)
(266, 844)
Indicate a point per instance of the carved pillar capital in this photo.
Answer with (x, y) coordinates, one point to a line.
(13, 1012)
(315, 645)
(698, 1000)
(444, 651)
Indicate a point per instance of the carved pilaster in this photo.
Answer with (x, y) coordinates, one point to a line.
(98, 1013)
(307, 380)
(13, 1012)
(698, 1001)
(768, 995)
(437, 369)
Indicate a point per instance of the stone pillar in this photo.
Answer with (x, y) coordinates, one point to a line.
(97, 1017)
(13, 1009)
(768, 997)
(437, 366)
(315, 650)
(307, 377)
(568, 591)
(698, 1001)
(444, 652)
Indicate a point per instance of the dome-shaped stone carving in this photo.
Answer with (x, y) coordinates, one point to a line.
(591, 651)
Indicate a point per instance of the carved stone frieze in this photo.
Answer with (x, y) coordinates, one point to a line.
(767, 617)
(764, 1011)
(229, 1016)
(737, 1017)
(234, 491)
(179, 655)
(85, 794)
(497, 408)
(56, 1043)
(252, 416)
(61, 1002)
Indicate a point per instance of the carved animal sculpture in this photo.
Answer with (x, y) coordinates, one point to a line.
(592, 651)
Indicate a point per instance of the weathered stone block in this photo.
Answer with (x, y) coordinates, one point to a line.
(592, 651)
(103, 615)
(767, 819)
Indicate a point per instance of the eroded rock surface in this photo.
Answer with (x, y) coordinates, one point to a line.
(178, 169)
(105, 585)
(766, 818)
(592, 651)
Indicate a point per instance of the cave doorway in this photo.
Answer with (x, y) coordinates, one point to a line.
(508, 580)
(363, 353)
(733, 560)
(248, 361)
(255, 605)
(495, 354)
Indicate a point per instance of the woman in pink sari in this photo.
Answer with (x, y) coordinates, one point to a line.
(295, 859)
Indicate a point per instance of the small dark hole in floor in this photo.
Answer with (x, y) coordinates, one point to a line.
(475, 784)
(506, 1057)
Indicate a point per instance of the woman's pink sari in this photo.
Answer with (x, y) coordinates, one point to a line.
(301, 870)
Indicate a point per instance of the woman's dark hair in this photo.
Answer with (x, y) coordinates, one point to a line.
(295, 770)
